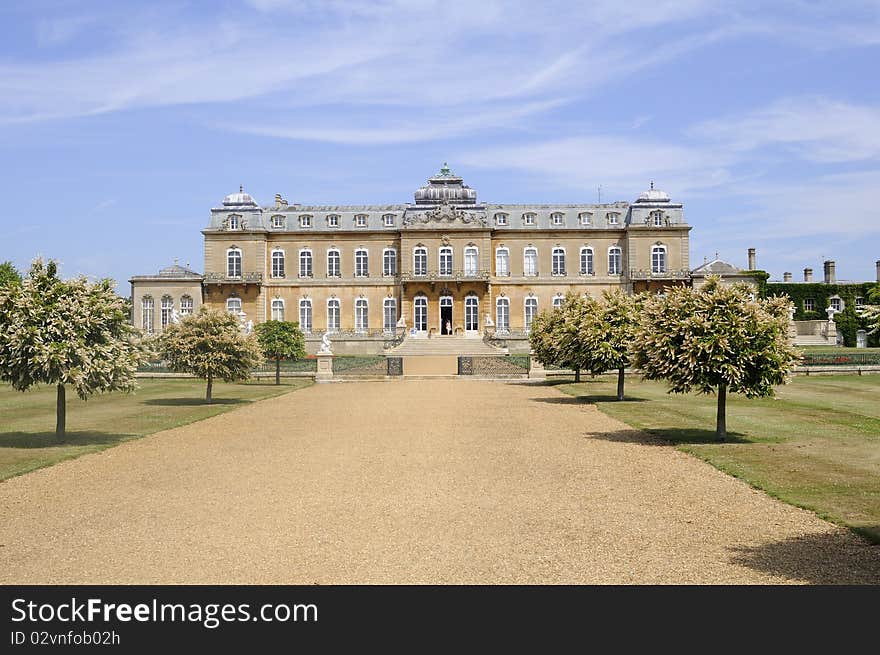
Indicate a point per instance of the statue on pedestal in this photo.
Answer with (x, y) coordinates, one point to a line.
(325, 345)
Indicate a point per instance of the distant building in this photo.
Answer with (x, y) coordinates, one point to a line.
(157, 298)
(445, 265)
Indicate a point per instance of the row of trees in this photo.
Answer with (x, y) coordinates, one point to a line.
(76, 333)
(715, 339)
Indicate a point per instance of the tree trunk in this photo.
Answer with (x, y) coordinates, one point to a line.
(577, 375)
(277, 371)
(60, 413)
(208, 398)
(721, 424)
(620, 383)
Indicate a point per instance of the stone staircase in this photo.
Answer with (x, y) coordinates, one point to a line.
(444, 345)
(812, 340)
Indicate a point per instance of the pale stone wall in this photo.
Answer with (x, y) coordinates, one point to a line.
(158, 289)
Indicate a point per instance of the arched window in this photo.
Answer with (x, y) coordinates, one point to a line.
(360, 220)
(186, 305)
(147, 314)
(658, 259)
(305, 315)
(502, 315)
(557, 301)
(278, 263)
(613, 218)
(333, 315)
(502, 261)
(530, 261)
(420, 260)
(389, 262)
(305, 220)
(233, 305)
(556, 218)
(585, 218)
(445, 260)
(558, 261)
(233, 262)
(528, 219)
(305, 263)
(420, 313)
(360, 315)
(166, 309)
(614, 261)
(332, 220)
(389, 314)
(333, 263)
(531, 311)
(361, 263)
(388, 220)
(277, 309)
(500, 219)
(471, 313)
(278, 221)
(471, 256)
(587, 261)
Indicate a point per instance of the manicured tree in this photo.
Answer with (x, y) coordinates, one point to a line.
(554, 334)
(607, 334)
(71, 332)
(211, 346)
(9, 274)
(281, 340)
(716, 339)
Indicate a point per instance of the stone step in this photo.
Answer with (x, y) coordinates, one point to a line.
(444, 346)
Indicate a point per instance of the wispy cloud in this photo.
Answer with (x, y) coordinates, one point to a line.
(814, 128)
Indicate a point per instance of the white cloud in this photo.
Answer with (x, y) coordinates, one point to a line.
(815, 128)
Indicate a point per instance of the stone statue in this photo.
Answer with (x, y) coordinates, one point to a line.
(325, 344)
(175, 317)
(489, 322)
(249, 327)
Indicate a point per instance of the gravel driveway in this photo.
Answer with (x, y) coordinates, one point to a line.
(422, 481)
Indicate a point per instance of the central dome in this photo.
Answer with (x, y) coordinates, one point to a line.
(239, 199)
(445, 186)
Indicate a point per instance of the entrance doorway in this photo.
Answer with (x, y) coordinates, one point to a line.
(446, 315)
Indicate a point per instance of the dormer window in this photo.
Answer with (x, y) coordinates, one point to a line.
(360, 220)
(586, 218)
(305, 220)
(657, 218)
(613, 218)
(234, 222)
(500, 219)
(528, 219)
(556, 218)
(278, 222)
(388, 220)
(332, 220)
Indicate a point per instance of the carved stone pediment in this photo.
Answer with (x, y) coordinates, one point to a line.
(446, 214)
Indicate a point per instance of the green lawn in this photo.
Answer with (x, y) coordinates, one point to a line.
(817, 445)
(27, 420)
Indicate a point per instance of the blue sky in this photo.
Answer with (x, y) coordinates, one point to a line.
(122, 124)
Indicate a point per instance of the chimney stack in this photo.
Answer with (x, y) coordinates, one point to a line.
(878, 270)
(752, 259)
(786, 277)
(830, 275)
(808, 275)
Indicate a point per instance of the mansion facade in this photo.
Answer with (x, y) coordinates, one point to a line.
(444, 265)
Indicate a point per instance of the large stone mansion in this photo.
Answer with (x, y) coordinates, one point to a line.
(444, 265)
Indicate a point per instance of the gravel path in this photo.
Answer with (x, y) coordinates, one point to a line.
(448, 481)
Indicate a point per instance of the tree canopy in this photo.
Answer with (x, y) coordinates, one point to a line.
(66, 332)
(716, 339)
(9, 274)
(281, 340)
(211, 346)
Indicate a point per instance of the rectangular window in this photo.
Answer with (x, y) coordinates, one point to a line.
(277, 310)
(531, 311)
(333, 220)
(558, 263)
(530, 262)
(612, 219)
(305, 316)
(360, 220)
(614, 264)
(420, 261)
(389, 262)
(809, 304)
(233, 263)
(470, 261)
(333, 315)
(836, 304)
(502, 261)
(389, 320)
(445, 261)
(528, 219)
(305, 263)
(360, 315)
(557, 219)
(361, 268)
(389, 220)
(305, 221)
(278, 263)
(147, 315)
(586, 261)
(658, 260)
(500, 219)
(333, 266)
(585, 218)
(277, 222)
